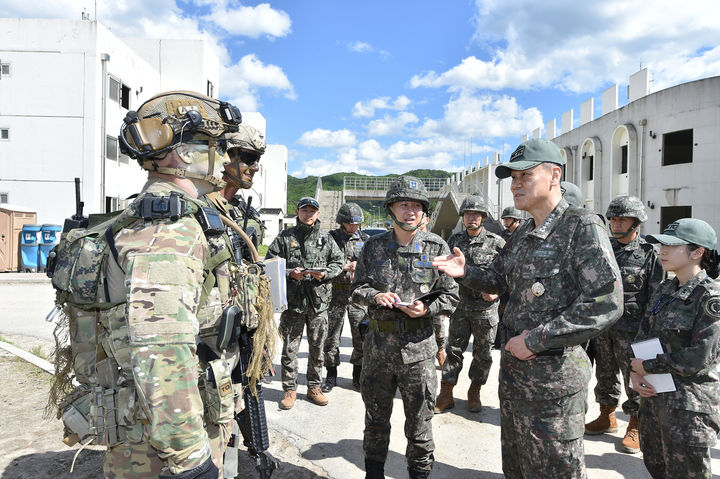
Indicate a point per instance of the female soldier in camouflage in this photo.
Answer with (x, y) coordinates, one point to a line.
(678, 428)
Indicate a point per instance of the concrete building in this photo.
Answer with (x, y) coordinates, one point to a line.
(65, 87)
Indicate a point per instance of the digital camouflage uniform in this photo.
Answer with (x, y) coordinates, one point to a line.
(565, 288)
(308, 299)
(341, 302)
(401, 360)
(677, 429)
(473, 315)
(152, 337)
(641, 273)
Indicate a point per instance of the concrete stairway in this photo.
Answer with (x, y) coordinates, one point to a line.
(330, 202)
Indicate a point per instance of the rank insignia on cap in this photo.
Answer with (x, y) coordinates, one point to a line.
(537, 289)
(630, 279)
(413, 184)
(519, 151)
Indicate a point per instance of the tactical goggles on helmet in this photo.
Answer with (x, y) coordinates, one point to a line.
(247, 157)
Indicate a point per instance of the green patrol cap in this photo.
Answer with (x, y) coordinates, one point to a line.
(686, 231)
(530, 154)
(571, 193)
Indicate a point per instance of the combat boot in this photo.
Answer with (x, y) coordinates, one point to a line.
(330, 380)
(631, 441)
(441, 356)
(605, 422)
(288, 400)
(445, 399)
(414, 473)
(316, 396)
(374, 469)
(357, 370)
(474, 403)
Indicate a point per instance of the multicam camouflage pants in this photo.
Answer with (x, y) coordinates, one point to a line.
(543, 438)
(675, 442)
(336, 320)
(141, 460)
(483, 327)
(612, 355)
(291, 330)
(417, 383)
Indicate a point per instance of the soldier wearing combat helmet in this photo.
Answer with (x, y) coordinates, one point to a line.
(350, 239)
(511, 218)
(641, 274)
(158, 277)
(565, 288)
(477, 312)
(395, 279)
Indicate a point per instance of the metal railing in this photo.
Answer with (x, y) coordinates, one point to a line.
(373, 183)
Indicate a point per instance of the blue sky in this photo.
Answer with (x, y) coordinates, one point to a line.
(388, 86)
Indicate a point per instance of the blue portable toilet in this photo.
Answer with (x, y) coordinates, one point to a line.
(48, 239)
(29, 247)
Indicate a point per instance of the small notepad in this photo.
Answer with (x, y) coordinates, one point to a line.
(649, 349)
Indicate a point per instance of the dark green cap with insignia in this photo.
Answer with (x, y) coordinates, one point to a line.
(686, 231)
(308, 201)
(530, 154)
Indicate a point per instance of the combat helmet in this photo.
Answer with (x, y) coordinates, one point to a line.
(350, 213)
(473, 203)
(511, 212)
(627, 207)
(407, 188)
(246, 146)
(572, 194)
(192, 124)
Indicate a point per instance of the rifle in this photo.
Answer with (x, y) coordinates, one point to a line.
(75, 221)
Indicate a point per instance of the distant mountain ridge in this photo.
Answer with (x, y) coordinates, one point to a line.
(299, 187)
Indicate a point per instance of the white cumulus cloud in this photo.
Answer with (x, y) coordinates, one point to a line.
(320, 138)
(391, 125)
(366, 109)
(254, 22)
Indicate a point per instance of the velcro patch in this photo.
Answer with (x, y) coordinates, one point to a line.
(712, 307)
(519, 151)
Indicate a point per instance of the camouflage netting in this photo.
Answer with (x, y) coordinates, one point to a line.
(63, 361)
(264, 338)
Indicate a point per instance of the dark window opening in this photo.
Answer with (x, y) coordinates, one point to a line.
(4, 69)
(3, 197)
(562, 177)
(111, 150)
(624, 159)
(4, 133)
(125, 96)
(668, 214)
(109, 204)
(210, 88)
(677, 147)
(590, 167)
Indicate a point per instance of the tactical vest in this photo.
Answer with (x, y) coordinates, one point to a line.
(94, 408)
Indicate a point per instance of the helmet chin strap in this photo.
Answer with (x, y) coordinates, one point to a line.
(405, 226)
(473, 228)
(242, 184)
(626, 233)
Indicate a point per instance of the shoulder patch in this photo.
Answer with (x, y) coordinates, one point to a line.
(712, 307)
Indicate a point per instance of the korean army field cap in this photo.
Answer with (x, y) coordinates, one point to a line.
(686, 231)
(530, 154)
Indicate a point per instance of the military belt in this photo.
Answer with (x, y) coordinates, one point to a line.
(341, 287)
(400, 325)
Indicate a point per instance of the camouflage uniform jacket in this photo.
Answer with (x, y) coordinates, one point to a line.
(385, 266)
(153, 341)
(686, 319)
(351, 246)
(641, 273)
(479, 250)
(308, 249)
(564, 287)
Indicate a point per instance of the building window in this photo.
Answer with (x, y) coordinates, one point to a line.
(589, 166)
(4, 134)
(111, 150)
(119, 92)
(677, 147)
(623, 159)
(4, 70)
(669, 214)
(210, 88)
(3, 197)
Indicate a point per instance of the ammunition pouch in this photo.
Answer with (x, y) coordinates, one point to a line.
(217, 391)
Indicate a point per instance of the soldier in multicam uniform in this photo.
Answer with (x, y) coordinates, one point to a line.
(313, 260)
(477, 313)
(511, 218)
(176, 426)
(350, 239)
(641, 274)
(399, 349)
(564, 288)
(678, 428)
